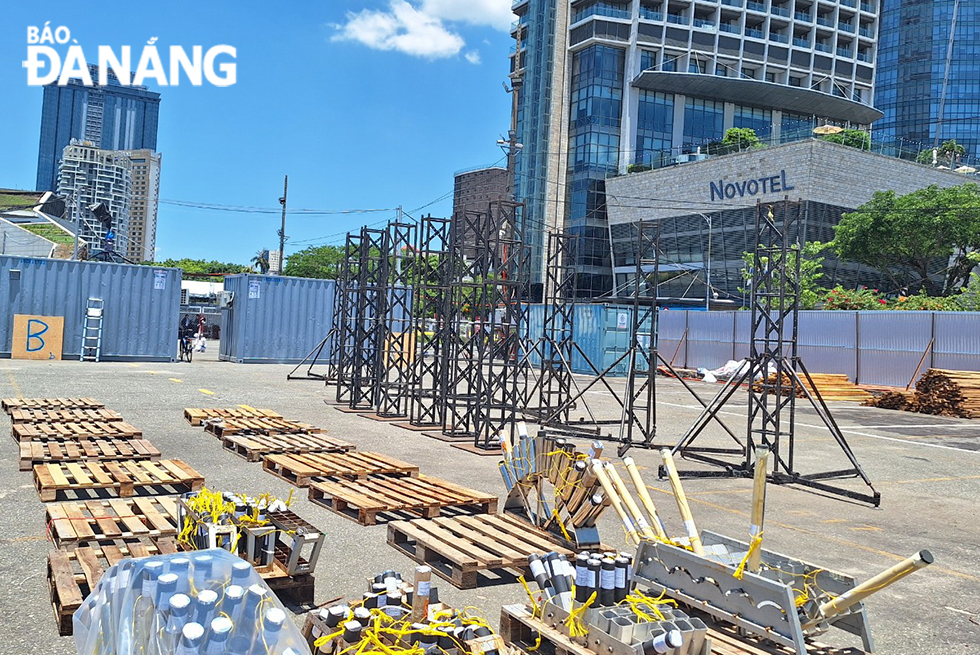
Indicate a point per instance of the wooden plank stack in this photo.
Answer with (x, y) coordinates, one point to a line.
(939, 392)
(832, 386)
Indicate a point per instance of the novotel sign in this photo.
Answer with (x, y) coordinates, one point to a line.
(723, 190)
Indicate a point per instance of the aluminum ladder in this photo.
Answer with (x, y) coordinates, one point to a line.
(92, 331)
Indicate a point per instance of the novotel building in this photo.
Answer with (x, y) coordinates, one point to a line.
(713, 201)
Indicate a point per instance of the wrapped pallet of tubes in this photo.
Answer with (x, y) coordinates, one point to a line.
(593, 602)
(552, 485)
(261, 530)
(764, 594)
(204, 603)
(394, 616)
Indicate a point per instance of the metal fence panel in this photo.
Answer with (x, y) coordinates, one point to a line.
(711, 339)
(957, 343)
(890, 345)
(673, 338)
(141, 304)
(827, 342)
(275, 319)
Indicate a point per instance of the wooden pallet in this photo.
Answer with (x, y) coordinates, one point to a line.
(72, 524)
(38, 451)
(64, 416)
(88, 430)
(123, 477)
(265, 426)
(197, 416)
(73, 575)
(252, 447)
(300, 469)
(363, 500)
(520, 630)
(10, 404)
(458, 549)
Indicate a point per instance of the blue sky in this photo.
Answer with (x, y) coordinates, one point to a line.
(364, 104)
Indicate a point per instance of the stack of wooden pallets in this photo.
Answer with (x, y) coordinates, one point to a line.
(121, 496)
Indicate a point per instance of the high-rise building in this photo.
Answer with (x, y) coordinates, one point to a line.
(143, 210)
(609, 86)
(928, 74)
(473, 191)
(89, 175)
(113, 117)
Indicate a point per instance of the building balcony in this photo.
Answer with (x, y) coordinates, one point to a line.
(845, 52)
(864, 56)
(846, 27)
(732, 3)
(780, 11)
(728, 27)
(868, 7)
(866, 32)
(804, 16)
(678, 19)
(849, 3)
(755, 6)
(754, 33)
(822, 47)
(704, 23)
(826, 22)
(650, 14)
(803, 43)
(780, 38)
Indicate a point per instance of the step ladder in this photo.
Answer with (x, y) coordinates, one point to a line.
(92, 331)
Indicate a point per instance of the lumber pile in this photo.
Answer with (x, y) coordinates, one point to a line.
(832, 386)
(890, 400)
(939, 392)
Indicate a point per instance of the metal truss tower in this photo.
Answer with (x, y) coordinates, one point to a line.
(397, 329)
(774, 372)
(371, 299)
(434, 273)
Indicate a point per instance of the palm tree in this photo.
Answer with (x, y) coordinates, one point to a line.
(261, 261)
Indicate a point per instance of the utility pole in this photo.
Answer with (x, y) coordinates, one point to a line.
(282, 231)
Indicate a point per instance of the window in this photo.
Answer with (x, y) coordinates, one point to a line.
(759, 120)
(721, 70)
(695, 66)
(748, 72)
(654, 128)
(704, 121)
(795, 80)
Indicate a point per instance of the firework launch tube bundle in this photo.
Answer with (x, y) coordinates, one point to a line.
(197, 603)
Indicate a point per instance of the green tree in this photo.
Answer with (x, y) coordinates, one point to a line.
(199, 269)
(968, 300)
(852, 138)
(743, 137)
(905, 236)
(322, 262)
(949, 154)
(260, 262)
(811, 271)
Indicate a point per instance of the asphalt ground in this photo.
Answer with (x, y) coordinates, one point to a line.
(926, 468)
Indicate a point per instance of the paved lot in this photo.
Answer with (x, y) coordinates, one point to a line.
(927, 469)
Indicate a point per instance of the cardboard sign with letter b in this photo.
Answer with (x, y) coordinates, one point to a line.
(37, 337)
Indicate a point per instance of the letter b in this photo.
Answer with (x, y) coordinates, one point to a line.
(33, 34)
(35, 329)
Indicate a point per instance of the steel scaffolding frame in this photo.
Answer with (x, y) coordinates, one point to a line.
(774, 349)
(345, 306)
(486, 373)
(434, 273)
(371, 299)
(397, 354)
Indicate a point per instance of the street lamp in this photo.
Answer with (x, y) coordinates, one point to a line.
(707, 265)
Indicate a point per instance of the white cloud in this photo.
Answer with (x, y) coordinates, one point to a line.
(403, 28)
(473, 56)
(495, 13)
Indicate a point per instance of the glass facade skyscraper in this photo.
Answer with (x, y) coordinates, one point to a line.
(912, 65)
(606, 87)
(111, 117)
